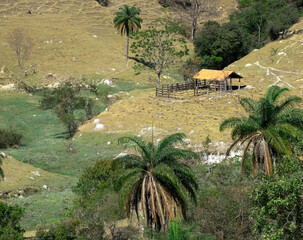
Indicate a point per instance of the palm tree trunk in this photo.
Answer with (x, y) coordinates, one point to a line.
(127, 45)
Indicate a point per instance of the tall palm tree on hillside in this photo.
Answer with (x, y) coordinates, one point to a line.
(270, 128)
(127, 21)
(156, 181)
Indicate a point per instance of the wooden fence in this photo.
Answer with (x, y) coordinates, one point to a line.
(182, 90)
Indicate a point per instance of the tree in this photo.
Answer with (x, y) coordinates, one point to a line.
(155, 180)
(9, 222)
(127, 21)
(278, 203)
(22, 45)
(65, 100)
(270, 128)
(218, 46)
(159, 46)
(1, 171)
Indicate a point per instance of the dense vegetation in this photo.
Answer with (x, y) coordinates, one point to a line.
(10, 222)
(252, 26)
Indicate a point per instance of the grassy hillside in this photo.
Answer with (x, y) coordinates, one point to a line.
(77, 38)
(277, 63)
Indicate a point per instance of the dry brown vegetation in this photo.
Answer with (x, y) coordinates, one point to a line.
(277, 63)
(76, 38)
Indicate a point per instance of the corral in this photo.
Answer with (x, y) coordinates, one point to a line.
(203, 82)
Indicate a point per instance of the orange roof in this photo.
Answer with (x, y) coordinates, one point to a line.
(219, 75)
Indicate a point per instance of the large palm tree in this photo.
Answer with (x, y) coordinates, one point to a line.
(155, 181)
(270, 128)
(127, 21)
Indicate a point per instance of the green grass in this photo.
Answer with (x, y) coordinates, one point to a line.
(45, 209)
(44, 144)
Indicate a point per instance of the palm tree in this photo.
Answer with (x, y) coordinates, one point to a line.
(127, 21)
(155, 181)
(270, 127)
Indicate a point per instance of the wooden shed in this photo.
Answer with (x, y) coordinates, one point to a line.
(217, 79)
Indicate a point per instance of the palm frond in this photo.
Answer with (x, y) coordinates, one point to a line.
(138, 144)
(290, 101)
(231, 122)
(171, 182)
(127, 188)
(277, 92)
(276, 141)
(124, 176)
(170, 141)
(174, 154)
(128, 161)
(244, 154)
(292, 116)
(249, 105)
(244, 130)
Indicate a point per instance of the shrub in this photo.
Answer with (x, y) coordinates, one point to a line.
(9, 138)
(64, 231)
(9, 222)
(278, 202)
(103, 3)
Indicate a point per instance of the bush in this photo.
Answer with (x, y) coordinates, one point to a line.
(278, 202)
(97, 202)
(103, 3)
(9, 222)
(64, 231)
(9, 138)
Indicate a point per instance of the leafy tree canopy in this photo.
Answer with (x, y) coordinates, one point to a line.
(159, 46)
(9, 222)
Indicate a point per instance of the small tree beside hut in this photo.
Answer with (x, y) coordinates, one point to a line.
(158, 47)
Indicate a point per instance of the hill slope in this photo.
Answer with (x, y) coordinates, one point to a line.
(22, 178)
(277, 63)
(76, 37)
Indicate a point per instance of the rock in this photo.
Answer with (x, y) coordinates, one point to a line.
(96, 121)
(248, 65)
(8, 87)
(107, 82)
(37, 174)
(99, 127)
(192, 132)
(187, 140)
(45, 187)
(3, 154)
(109, 143)
(249, 87)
